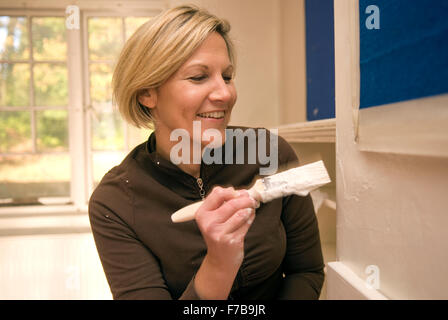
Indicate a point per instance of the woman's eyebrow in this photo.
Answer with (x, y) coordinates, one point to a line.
(197, 65)
(204, 66)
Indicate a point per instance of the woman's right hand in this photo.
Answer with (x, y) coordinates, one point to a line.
(224, 219)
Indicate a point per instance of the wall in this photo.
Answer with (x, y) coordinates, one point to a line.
(292, 62)
(392, 209)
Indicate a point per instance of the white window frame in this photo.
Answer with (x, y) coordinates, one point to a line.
(81, 185)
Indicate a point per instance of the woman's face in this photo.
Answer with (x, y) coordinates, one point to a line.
(201, 90)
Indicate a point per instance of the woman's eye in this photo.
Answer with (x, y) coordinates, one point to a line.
(227, 78)
(198, 78)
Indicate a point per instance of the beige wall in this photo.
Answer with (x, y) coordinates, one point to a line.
(392, 209)
(293, 62)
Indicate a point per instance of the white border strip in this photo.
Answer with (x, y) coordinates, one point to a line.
(344, 284)
(417, 127)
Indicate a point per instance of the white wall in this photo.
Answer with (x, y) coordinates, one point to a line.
(392, 209)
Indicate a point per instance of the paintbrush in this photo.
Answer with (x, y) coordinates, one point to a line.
(300, 180)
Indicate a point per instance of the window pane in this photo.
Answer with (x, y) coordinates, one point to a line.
(103, 162)
(100, 83)
(15, 133)
(52, 130)
(13, 38)
(107, 129)
(48, 34)
(26, 178)
(50, 84)
(105, 38)
(137, 135)
(14, 84)
(132, 24)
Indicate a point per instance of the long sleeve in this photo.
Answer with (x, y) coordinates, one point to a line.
(132, 270)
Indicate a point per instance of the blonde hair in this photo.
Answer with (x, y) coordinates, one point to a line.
(156, 51)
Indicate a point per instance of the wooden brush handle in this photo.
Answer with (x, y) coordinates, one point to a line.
(188, 213)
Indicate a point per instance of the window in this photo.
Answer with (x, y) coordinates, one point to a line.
(59, 133)
(110, 136)
(34, 161)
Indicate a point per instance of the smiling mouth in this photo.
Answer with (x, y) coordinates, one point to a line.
(212, 115)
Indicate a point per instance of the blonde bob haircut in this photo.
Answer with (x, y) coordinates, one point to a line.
(156, 51)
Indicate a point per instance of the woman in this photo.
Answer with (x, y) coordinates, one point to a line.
(177, 71)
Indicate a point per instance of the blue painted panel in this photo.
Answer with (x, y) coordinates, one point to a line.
(407, 57)
(320, 59)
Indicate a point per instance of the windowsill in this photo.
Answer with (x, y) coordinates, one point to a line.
(318, 131)
(41, 220)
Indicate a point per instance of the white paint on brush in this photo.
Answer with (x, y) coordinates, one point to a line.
(300, 181)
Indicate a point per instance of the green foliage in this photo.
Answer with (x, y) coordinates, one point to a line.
(50, 84)
(52, 130)
(49, 41)
(105, 38)
(14, 84)
(16, 130)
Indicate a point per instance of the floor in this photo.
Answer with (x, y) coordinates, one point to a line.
(44, 267)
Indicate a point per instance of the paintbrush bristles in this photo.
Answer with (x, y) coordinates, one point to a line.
(300, 181)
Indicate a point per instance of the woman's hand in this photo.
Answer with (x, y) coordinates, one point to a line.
(223, 219)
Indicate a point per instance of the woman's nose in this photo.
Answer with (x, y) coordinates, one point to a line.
(221, 91)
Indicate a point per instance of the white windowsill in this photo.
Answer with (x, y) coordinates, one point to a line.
(318, 131)
(40, 220)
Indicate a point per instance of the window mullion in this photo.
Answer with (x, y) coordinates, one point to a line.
(89, 109)
(77, 138)
(32, 95)
(124, 124)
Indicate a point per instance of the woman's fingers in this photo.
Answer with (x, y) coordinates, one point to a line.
(240, 230)
(217, 197)
(243, 217)
(222, 203)
(224, 219)
(231, 207)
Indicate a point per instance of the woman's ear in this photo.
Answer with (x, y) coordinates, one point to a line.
(148, 98)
